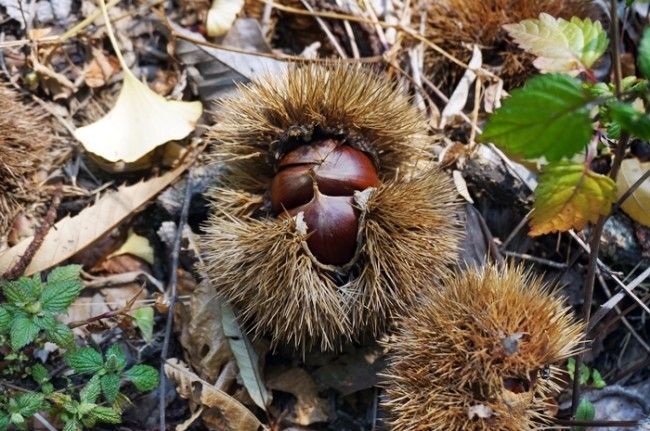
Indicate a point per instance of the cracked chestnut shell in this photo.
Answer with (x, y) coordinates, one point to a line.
(319, 179)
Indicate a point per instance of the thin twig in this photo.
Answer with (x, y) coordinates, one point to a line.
(596, 423)
(600, 224)
(19, 268)
(171, 292)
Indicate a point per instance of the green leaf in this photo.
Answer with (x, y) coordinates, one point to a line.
(110, 386)
(597, 379)
(630, 119)
(560, 45)
(644, 53)
(72, 425)
(548, 117)
(39, 373)
(85, 360)
(585, 411)
(5, 320)
(30, 403)
(4, 420)
(45, 320)
(23, 331)
(91, 391)
(22, 291)
(568, 196)
(144, 377)
(63, 287)
(60, 335)
(117, 352)
(144, 320)
(106, 415)
(571, 367)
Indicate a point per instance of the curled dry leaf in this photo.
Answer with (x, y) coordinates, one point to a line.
(137, 246)
(637, 205)
(194, 388)
(140, 121)
(221, 16)
(72, 234)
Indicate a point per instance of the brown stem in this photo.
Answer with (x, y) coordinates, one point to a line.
(19, 268)
(594, 243)
(596, 423)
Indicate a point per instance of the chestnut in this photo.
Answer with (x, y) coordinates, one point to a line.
(320, 179)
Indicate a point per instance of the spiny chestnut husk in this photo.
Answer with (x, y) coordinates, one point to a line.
(456, 25)
(479, 354)
(324, 226)
(24, 144)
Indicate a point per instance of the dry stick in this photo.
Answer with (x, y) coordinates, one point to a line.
(596, 423)
(600, 224)
(173, 279)
(19, 268)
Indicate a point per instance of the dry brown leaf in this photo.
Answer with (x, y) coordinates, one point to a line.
(309, 408)
(73, 234)
(191, 386)
(202, 334)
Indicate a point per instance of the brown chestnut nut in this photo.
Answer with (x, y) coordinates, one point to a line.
(320, 179)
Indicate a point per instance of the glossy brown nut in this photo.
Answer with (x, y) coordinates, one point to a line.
(333, 223)
(339, 170)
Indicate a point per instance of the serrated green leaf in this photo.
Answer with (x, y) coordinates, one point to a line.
(23, 331)
(560, 45)
(548, 117)
(23, 291)
(30, 403)
(117, 352)
(143, 377)
(585, 411)
(631, 120)
(144, 320)
(72, 425)
(106, 415)
(63, 287)
(644, 53)
(4, 420)
(597, 380)
(61, 335)
(91, 391)
(110, 386)
(85, 360)
(5, 320)
(568, 196)
(39, 373)
(44, 320)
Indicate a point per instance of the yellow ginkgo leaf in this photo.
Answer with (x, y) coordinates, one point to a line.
(568, 196)
(137, 246)
(141, 119)
(637, 205)
(222, 15)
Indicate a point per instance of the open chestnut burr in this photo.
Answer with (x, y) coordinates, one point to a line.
(329, 218)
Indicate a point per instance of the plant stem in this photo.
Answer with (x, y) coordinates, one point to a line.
(594, 243)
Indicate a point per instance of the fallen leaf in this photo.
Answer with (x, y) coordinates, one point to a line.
(192, 387)
(309, 408)
(245, 356)
(560, 45)
(221, 15)
(140, 121)
(637, 206)
(352, 372)
(458, 98)
(568, 196)
(201, 333)
(73, 234)
(137, 246)
(143, 317)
